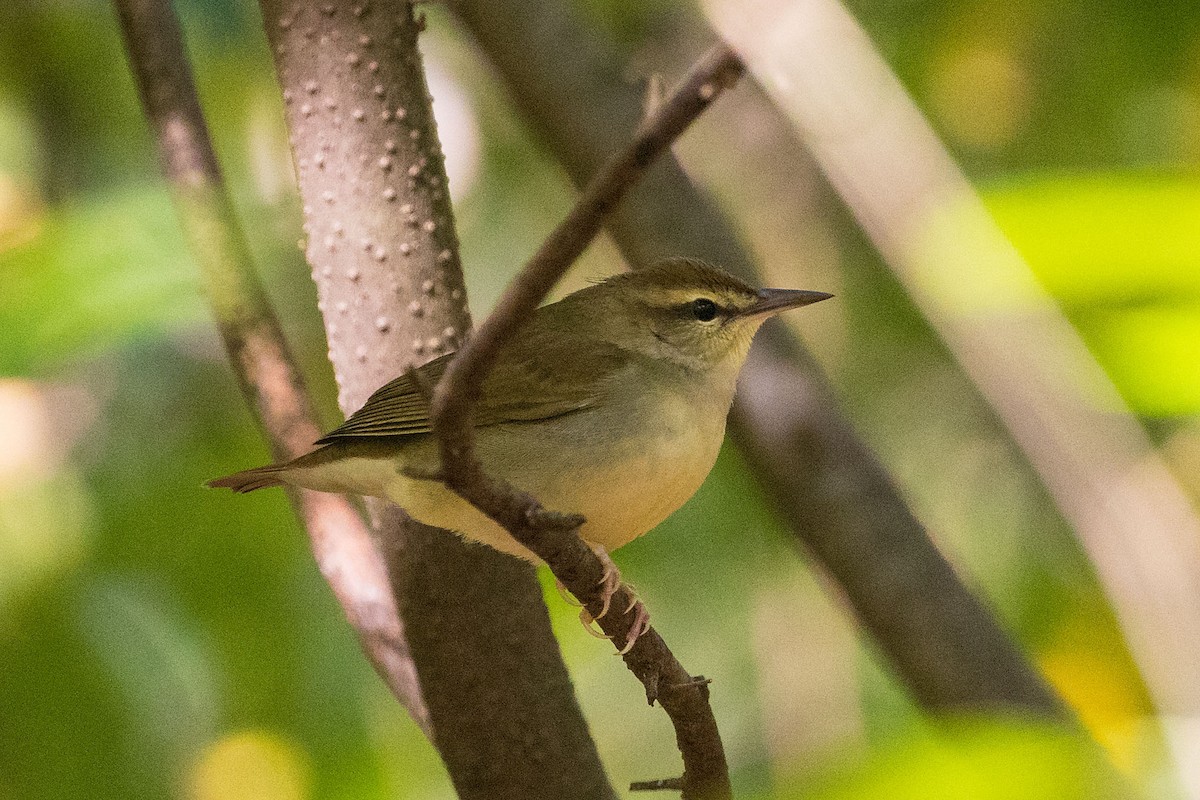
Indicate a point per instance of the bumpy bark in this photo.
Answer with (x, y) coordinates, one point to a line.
(384, 254)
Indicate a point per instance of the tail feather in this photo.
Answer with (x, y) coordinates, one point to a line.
(250, 479)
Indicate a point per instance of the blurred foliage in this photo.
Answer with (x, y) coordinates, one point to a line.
(157, 640)
(975, 759)
(96, 275)
(1120, 253)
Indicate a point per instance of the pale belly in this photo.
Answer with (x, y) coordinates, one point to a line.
(623, 488)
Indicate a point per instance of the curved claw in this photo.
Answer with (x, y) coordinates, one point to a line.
(610, 581)
(587, 620)
(633, 599)
(641, 624)
(566, 595)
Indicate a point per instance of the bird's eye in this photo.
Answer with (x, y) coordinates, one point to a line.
(704, 309)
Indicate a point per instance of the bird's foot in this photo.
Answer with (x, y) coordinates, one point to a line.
(610, 584)
(587, 619)
(566, 595)
(610, 581)
(641, 624)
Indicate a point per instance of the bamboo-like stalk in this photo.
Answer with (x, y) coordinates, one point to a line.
(1132, 517)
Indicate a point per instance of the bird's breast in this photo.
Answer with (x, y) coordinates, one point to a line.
(633, 482)
(625, 466)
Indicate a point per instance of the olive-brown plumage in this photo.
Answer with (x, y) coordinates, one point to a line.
(610, 403)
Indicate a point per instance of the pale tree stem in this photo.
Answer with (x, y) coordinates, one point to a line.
(826, 482)
(341, 542)
(881, 155)
(384, 255)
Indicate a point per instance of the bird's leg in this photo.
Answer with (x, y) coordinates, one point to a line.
(609, 584)
(610, 581)
(641, 624)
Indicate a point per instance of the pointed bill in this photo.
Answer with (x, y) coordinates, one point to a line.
(772, 301)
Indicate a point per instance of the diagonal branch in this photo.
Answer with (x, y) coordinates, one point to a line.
(942, 642)
(340, 541)
(717, 69)
(553, 537)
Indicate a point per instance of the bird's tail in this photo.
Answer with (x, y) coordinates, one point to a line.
(250, 479)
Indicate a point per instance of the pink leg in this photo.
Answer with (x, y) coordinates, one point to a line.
(641, 624)
(610, 583)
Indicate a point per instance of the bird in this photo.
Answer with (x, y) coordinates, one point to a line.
(610, 403)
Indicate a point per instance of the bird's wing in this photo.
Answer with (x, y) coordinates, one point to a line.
(399, 407)
(548, 382)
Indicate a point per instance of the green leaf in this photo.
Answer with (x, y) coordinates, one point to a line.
(1153, 355)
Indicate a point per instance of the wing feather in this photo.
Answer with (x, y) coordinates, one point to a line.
(548, 382)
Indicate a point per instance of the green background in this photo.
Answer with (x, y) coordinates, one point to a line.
(160, 640)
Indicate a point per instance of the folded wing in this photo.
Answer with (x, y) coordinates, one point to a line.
(541, 382)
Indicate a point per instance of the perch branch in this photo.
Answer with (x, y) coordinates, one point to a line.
(550, 535)
(942, 642)
(340, 541)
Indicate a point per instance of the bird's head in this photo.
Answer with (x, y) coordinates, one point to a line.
(688, 313)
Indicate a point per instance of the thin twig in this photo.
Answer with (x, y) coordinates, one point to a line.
(656, 786)
(553, 537)
(839, 502)
(340, 541)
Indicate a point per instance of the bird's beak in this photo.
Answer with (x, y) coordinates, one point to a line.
(772, 301)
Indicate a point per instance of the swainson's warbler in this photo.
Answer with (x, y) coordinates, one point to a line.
(610, 403)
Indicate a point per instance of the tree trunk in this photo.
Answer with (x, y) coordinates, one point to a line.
(384, 255)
